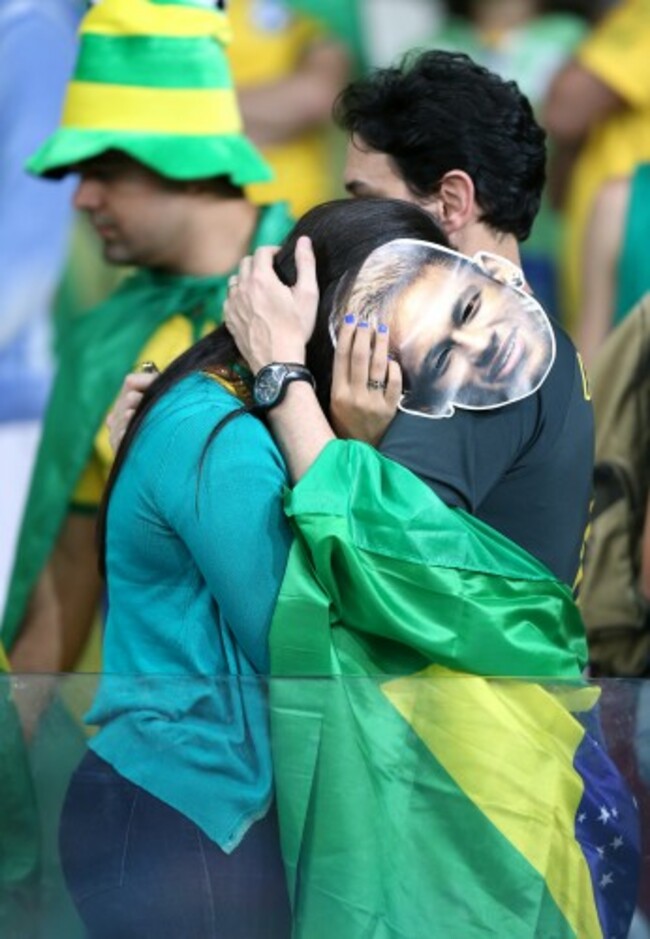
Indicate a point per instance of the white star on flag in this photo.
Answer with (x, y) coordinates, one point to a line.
(606, 880)
(605, 815)
(617, 843)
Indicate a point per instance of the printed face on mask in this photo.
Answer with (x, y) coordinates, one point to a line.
(463, 338)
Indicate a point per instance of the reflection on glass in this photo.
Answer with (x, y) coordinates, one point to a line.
(490, 742)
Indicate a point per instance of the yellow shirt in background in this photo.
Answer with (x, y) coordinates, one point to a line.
(269, 41)
(168, 342)
(617, 52)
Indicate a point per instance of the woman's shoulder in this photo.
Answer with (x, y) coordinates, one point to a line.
(195, 397)
(184, 441)
(188, 413)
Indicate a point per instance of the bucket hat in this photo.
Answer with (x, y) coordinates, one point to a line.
(152, 79)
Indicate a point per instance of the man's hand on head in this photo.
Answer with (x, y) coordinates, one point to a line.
(269, 321)
(131, 392)
(366, 383)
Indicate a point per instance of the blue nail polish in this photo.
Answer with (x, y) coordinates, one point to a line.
(363, 324)
(349, 318)
(382, 328)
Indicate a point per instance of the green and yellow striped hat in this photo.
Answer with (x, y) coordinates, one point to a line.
(152, 79)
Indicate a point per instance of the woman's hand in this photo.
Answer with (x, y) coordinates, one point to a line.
(133, 387)
(366, 383)
(269, 321)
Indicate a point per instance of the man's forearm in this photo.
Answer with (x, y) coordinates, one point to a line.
(577, 101)
(78, 585)
(36, 654)
(278, 111)
(38, 645)
(300, 428)
(63, 604)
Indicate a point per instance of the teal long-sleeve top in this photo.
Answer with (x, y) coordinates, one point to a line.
(195, 556)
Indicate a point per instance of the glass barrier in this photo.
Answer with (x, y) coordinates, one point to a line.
(379, 808)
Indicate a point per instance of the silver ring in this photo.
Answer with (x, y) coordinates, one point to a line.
(375, 385)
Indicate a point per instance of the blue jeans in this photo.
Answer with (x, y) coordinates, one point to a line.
(138, 869)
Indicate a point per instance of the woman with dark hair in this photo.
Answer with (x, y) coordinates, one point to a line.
(169, 827)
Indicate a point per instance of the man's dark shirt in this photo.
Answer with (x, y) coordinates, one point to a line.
(525, 469)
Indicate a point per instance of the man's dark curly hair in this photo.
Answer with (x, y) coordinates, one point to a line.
(440, 111)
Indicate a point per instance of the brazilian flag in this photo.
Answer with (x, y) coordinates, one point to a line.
(440, 772)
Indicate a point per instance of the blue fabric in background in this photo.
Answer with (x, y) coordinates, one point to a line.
(37, 49)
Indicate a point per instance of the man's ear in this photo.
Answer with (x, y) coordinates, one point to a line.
(454, 205)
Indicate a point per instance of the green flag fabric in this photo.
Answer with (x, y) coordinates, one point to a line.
(100, 347)
(427, 784)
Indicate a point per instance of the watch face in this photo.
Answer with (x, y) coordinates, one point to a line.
(268, 384)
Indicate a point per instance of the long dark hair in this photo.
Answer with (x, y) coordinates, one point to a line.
(343, 233)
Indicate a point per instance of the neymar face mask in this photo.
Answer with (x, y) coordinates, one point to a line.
(464, 331)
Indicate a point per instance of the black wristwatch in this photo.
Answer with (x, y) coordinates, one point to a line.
(270, 385)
